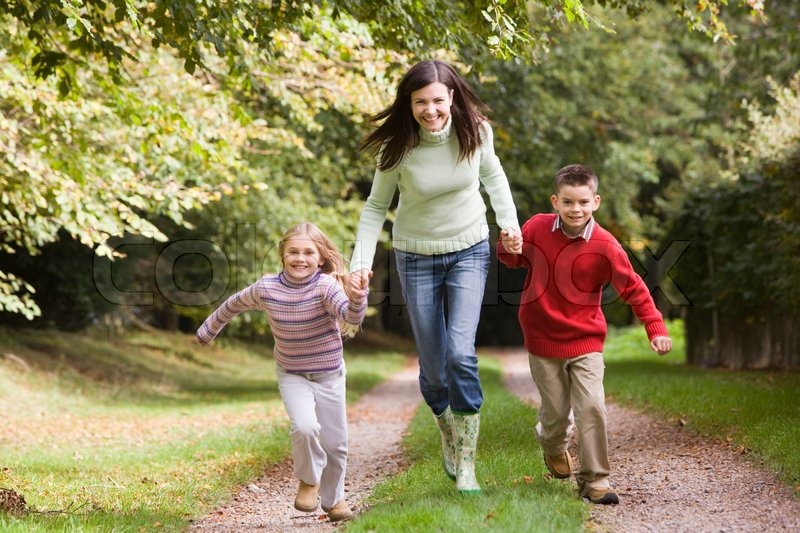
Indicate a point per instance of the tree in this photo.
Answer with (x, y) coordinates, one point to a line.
(746, 250)
(111, 159)
(654, 111)
(109, 162)
(67, 32)
(626, 106)
(103, 135)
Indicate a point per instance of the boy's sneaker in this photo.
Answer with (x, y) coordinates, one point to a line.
(605, 496)
(340, 511)
(559, 465)
(307, 498)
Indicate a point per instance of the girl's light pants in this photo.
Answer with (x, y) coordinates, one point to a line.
(573, 388)
(315, 403)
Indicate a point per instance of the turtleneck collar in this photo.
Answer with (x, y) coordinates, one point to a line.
(290, 281)
(437, 137)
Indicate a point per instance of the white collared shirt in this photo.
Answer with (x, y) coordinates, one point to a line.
(586, 232)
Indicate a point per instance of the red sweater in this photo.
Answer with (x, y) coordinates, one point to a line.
(560, 311)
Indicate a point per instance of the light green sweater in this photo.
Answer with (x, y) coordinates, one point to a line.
(440, 209)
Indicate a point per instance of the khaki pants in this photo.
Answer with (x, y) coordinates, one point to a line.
(573, 397)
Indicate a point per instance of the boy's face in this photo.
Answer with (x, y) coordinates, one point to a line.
(575, 206)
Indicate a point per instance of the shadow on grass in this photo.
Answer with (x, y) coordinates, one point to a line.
(171, 369)
(157, 369)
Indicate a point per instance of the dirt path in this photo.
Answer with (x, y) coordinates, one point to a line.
(668, 479)
(376, 424)
(671, 480)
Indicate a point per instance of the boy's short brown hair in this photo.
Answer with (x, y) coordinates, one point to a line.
(575, 176)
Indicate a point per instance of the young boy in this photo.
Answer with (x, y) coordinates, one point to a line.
(570, 259)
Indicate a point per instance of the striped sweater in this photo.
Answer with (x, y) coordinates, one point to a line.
(302, 315)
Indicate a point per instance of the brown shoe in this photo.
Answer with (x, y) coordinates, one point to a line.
(559, 465)
(605, 496)
(340, 511)
(307, 498)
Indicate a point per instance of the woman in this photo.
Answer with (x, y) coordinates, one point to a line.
(434, 144)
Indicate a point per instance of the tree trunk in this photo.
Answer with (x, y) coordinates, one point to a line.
(764, 339)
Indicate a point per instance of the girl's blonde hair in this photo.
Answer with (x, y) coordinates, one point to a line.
(332, 261)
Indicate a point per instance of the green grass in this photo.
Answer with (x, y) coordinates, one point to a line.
(140, 431)
(515, 497)
(755, 411)
(148, 430)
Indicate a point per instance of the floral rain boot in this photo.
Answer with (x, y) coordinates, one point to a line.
(467, 428)
(448, 431)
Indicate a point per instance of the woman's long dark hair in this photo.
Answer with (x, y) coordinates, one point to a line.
(398, 132)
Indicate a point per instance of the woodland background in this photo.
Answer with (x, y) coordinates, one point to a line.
(152, 153)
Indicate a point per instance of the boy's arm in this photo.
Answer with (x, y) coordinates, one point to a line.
(631, 288)
(514, 250)
(509, 259)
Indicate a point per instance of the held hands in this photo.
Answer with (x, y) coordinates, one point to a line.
(358, 287)
(661, 345)
(512, 241)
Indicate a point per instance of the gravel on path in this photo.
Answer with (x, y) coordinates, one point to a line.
(672, 480)
(668, 478)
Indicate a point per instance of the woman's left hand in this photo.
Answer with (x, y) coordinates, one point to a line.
(512, 241)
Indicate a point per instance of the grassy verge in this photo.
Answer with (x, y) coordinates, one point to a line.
(752, 409)
(756, 411)
(516, 496)
(148, 430)
(141, 431)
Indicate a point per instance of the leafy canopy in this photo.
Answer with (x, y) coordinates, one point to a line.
(103, 133)
(67, 33)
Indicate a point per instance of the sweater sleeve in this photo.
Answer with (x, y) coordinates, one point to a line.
(373, 215)
(495, 181)
(244, 300)
(631, 288)
(341, 307)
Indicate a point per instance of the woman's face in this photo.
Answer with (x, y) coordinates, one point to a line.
(431, 105)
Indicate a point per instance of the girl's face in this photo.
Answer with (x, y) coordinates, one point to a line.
(301, 257)
(575, 206)
(431, 105)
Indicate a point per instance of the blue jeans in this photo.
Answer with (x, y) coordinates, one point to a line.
(444, 294)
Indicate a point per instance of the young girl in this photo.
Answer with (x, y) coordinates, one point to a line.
(310, 305)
